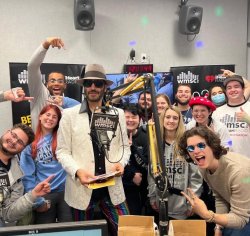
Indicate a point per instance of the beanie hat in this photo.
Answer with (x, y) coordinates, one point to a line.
(234, 78)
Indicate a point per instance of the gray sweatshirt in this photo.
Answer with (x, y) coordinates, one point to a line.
(15, 204)
(181, 175)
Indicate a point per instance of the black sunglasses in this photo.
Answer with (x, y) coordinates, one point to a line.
(98, 83)
(200, 145)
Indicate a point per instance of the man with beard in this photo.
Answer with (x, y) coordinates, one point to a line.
(82, 154)
(145, 107)
(55, 82)
(182, 97)
(13, 204)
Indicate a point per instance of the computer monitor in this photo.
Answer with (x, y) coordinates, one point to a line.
(80, 228)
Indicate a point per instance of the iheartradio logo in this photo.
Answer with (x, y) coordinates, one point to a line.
(215, 78)
(210, 78)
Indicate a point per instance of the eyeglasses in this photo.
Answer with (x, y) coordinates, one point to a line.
(59, 81)
(98, 83)
(18, 140)
(200, 145)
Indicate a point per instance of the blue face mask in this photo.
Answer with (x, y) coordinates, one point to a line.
(219, 99)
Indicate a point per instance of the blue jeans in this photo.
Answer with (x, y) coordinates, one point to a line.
(237, 232)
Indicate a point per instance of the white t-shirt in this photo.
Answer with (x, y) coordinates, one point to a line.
(239, 131)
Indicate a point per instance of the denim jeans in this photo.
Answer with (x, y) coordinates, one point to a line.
(237, 232)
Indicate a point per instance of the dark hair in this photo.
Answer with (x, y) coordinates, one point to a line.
(59, 72)
(133, 108)
(184, 84)
(214, 86)
(27, 130)
(142, 92)
(212, 140)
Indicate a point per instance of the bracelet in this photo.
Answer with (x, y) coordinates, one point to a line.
(211, 218)
(218, 227)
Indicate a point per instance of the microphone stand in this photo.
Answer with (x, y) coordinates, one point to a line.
(160, 180)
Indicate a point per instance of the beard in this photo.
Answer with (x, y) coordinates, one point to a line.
(183, 103)
(5, 151)
(98, 98)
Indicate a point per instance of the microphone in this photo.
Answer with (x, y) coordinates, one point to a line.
(103, 138)
(102, 122)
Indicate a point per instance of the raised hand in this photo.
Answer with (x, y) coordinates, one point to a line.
(42, 188)
(198, 206)
(242, 116)
(227, 73)
(54, 42)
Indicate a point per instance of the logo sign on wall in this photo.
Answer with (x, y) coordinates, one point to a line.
(19, 78)
(201, 78)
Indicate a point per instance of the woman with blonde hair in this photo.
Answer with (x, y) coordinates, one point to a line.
(180, 174)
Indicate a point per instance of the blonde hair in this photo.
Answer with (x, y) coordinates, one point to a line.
(179, 131)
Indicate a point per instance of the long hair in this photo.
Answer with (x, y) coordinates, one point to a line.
(179, 131)
(39, 134)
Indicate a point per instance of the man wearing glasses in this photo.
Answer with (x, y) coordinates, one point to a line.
(83, 158)
(13, 204)
(55, 86)
(227, 174)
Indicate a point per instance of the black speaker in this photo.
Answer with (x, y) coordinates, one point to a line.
(190, 19)
(84, 14)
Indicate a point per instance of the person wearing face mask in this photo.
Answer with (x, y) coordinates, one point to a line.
(217, 95)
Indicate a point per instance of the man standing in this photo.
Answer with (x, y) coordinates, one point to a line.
(82, 155)
(55, 82)
(235, 114)
(13, 204)
(182, 97)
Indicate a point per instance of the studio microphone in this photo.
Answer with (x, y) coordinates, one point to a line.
(103, 138)
(103, 121)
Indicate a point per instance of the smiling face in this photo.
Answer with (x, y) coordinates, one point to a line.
(201, 154)
(200, 114)
(235, 93)
(56, 84)
(161, 104)
(183, 95)
(48, 120)
(13, 141)
(142, 103)
(171, 120)
(132, 121)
